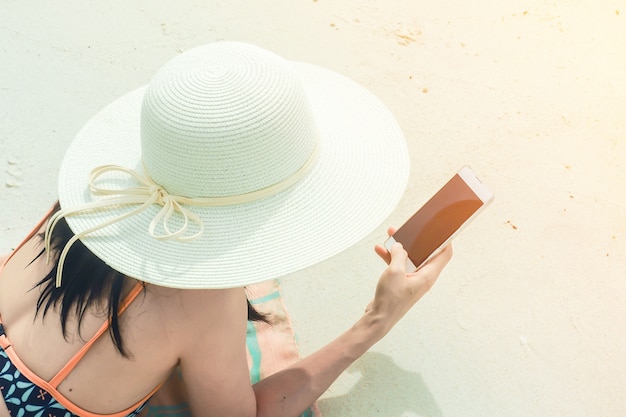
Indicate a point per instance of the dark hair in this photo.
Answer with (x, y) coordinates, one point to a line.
(87, 281)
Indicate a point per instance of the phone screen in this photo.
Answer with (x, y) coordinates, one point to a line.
(438, 219)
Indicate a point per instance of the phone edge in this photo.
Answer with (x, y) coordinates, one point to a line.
(485, 195)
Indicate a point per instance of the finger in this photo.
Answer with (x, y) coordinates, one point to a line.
(398, 256)
(383, 253)
(381, 250)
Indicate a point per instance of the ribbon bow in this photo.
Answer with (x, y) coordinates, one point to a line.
(147, 193)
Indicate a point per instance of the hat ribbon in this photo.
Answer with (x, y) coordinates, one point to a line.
(148, 193)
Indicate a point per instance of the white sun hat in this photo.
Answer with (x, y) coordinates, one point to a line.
(231, 167)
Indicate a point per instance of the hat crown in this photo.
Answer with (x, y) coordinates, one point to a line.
(225, 119)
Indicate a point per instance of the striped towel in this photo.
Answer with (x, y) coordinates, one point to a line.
(271, 347)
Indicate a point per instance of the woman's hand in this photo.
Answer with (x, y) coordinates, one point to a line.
(397, 291)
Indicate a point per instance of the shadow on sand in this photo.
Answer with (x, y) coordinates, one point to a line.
(384, 389)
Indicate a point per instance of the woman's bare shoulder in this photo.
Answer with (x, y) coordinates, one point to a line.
(215, 374)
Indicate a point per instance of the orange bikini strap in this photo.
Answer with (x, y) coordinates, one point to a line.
(69, 367)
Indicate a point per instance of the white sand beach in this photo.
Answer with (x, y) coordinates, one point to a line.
(529, 318)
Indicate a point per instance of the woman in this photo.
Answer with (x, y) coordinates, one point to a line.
(233, 166)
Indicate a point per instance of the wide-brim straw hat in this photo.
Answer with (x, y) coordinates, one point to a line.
(248, 166)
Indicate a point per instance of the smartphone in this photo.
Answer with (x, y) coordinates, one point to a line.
(438, 221)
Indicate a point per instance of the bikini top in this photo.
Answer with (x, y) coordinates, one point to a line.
(23, 390)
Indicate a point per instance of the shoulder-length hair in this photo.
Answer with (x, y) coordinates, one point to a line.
(88, 283)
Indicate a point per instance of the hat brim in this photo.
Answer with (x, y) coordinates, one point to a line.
(357, 181)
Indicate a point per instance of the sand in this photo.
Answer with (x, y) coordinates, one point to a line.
(528, 319)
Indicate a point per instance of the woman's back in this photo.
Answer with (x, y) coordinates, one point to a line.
(104, 382)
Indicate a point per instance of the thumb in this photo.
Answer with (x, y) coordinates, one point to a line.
(398, 257)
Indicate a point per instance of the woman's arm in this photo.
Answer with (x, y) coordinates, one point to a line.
(291, 391)
(217, 379)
